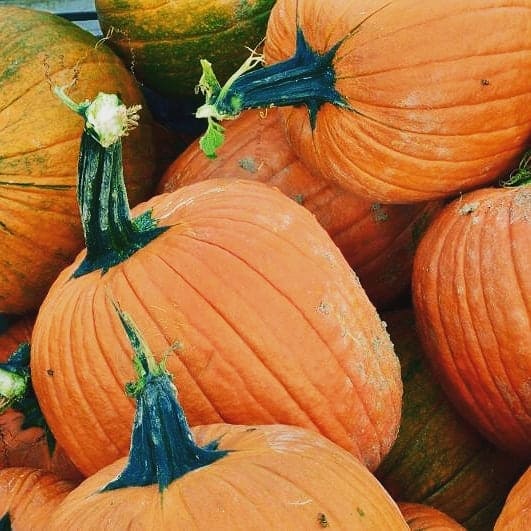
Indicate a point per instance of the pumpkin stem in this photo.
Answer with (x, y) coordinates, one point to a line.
(521, 175)
(162, 446)
(111, 234)
(16, 392)
(308, 78)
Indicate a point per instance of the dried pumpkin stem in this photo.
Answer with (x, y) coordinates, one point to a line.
(162, 444)
(308, 78)
(111, 234)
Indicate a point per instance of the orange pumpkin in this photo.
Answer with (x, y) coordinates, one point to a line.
(377, 240)
(40, 231)
(222, 477)
(28, 496)
(516, 513)
(268, 322)
(421, 517)
(472, 300)
(397, 101)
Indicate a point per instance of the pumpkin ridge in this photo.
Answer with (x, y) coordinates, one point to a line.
(451, 358)
(515, 421)
(37, 149)
(249, 345)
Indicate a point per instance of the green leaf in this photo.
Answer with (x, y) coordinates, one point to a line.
(213, 138)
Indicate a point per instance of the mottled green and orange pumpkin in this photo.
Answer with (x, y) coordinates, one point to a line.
(40, 231)
(163, 42)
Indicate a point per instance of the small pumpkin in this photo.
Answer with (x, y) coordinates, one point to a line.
(377, 240)
(472, 299)
(370, 106)
(516, 513)
(222, 477)
(267, 320)
(421, 517)
(439, 459)
(40, 231)
(163, 43)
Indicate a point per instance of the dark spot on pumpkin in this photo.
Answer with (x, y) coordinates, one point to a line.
(248, 164)
(49, 372)
(468, 208)
(485, 82)
(361, 512)
(379, 214)
(250, 429)
(323, 520)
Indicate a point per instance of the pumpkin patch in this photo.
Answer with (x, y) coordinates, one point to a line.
(265, 265)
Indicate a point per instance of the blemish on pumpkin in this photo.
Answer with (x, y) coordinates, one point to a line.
(324, 308)
(485, 82)
(361, 512)
(378, 213)
(49, 372)
(4, 227)
(468, 208)
(248, 164)
(298, 198)
(323, 520)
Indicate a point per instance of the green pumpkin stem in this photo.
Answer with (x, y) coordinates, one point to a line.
(16, 392)
(522, 175)
(111, 234)
(162, 446)
(307, 77)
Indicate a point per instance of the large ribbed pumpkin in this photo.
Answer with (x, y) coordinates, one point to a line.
(438, 459)
(261, 317)
(472, 297)
(402, 101)
(40, 232)
(377, 240)
(164, 41)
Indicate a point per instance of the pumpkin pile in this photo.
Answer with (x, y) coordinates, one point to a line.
(294, 296)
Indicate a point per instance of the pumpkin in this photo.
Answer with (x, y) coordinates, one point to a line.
(369, 105)
(516, 513)
(377, 240)
(221, 476)
(425, 518)
(163, 43)
(267, 321)
(24, 439)
(28, 496)
(40, 231)
(472, 299)
(438, 459)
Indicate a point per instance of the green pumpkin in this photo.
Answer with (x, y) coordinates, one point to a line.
(164, 44)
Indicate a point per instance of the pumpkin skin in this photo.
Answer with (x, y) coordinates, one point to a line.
(28, 496)
(438, 459)
(516, 513)
(387, 116)
(27, 447)
(257, 337)
(40, 232)
(378, 241)
(274, 476)
(425, 518)
(163, 43)
(472, 294)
